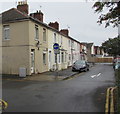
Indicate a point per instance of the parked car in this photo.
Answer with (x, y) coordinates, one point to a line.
(80, 65)
(116, 61)
(117, 65)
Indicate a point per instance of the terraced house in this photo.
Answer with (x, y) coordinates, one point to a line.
(27, 42)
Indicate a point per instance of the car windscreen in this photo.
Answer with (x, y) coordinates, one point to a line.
(80, 62)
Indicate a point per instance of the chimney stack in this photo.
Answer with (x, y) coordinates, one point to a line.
(38, 15)
(64, 31)
(23, 6)
(54, 25)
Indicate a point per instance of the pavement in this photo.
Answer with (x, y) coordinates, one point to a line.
(47, 76)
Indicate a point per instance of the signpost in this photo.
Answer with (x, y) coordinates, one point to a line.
(56, 48)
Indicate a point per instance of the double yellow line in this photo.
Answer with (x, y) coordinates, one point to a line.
(109, 106)
(3, 104)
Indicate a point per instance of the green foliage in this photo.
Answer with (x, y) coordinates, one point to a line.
(112, 46)
(112, 14)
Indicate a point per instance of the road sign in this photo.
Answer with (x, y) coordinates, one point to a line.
(56, 48)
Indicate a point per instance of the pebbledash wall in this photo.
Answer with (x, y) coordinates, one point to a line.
(30, 43)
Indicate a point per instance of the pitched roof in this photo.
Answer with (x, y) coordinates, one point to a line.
(13, 15)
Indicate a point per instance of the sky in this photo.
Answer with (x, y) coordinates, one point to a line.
(77, 16)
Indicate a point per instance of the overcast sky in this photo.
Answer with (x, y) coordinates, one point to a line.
(79, 16)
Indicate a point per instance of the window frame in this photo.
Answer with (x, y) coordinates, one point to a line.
(6, 27)
(36, 32)
(44, 35)
(55, 38)
(44, 60)
(62, 57)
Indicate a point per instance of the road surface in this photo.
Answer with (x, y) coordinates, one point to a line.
(84, 93)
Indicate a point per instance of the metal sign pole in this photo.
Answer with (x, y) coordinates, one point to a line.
(56, 48)
(56, 67)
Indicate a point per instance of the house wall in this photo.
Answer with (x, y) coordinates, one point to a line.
(43, 47)
(15, 52)
(63, 43)
(69, 52)
(65, 47)
(22, 42)
(92, 50)
(77, 51)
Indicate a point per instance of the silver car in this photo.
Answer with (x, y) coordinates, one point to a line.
(80, 65)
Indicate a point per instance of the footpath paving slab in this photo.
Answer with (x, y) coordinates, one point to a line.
(47, 76)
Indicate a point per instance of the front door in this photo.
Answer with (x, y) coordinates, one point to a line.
(32, 62)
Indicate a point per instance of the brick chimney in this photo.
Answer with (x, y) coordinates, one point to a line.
(64, 31)
(54, 25)
(38, 15)
(23, 6)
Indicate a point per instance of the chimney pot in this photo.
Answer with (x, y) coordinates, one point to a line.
(64, 31)
(38, 15)
(54, 25)
(23, 7)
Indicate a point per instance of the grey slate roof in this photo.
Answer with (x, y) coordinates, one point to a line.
(13, 15)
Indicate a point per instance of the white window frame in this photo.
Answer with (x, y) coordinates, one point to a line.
(44, 61)
(69, 42)
(44, 35)
(59, 58)
(55, 38)
(61, 40)
(69, 57)
(36, 32)
(62, 57)
(65, 57)
(6, 30)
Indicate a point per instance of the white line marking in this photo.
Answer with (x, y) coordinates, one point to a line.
(93, 76)
(99, 74)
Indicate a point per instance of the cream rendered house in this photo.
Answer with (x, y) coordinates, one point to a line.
(24, 41)
(60, 60)
(76, 51)
(27, 43)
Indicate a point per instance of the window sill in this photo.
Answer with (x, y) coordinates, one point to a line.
(44, 41)
(36, 39)
(6, 39)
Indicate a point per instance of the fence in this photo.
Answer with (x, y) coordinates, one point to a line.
(103, 60)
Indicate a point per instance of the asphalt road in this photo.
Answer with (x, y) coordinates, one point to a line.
(85, 93)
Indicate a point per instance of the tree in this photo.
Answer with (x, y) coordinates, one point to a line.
(112, 46)
(112, 15)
